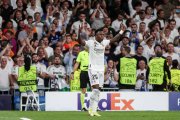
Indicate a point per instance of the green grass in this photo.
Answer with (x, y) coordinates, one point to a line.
(16, 115)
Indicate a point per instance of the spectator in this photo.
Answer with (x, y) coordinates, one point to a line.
(18, 16)
(107, 24)
(134, 38)
(68, 58)
(19, 62)
(6, 10)
(120, 20)
(97, 21)
(68, 43)
(10, 38)
(54, 36)
(141, 76)
(43, 58)
(169, 61)
(142, 18)
(124, 42)
(149, 15)
(57, 75)
(82, 6)
(41, 69)
(33, 8)
(49, 50)
(21, 7)
(26, 48)
(148, 48)
(27, 32)
(111, 75)
(134, 10)
(166, 36)
(139, 55)
(142, 31)
(174, 31)
(161, 18)
(170, 52)
(38, 25)
(57, 52)
(5, 83)
(75, 26)
(66, 12)
(167, 7)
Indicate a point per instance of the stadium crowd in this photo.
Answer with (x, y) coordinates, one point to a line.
(49, 31)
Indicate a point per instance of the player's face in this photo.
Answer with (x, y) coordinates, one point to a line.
(100, 36)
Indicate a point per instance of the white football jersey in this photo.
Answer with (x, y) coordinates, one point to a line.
(60, 74)
(96, 54)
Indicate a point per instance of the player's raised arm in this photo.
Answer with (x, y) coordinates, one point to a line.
(116, 38)
(82, 35)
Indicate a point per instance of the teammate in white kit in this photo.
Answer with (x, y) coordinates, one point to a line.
(96, 65)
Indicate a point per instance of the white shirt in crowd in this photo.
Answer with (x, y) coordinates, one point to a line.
(116, 24)
(31, 11)
(13, 4)
(50, 51)
(139, 82)
(60, 74)
(75, 26)
(174, 56)
(96, 54)
(148, 52)
(42, 69)
(4, 78)
(39, 28)
(69, 14)
(14, 71)
(174, 33)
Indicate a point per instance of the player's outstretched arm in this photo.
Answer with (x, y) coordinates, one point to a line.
(116, 38)
(82, 36)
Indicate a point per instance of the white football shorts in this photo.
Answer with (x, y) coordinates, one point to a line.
(96, 77)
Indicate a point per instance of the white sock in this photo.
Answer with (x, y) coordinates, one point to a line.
(96, 100)
(91, 102)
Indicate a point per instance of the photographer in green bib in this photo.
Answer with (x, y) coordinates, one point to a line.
(27, 76)
(157, 69)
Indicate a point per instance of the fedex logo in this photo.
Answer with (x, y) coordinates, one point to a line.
(112, 102)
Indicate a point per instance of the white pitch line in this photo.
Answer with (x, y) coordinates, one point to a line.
(25, 119)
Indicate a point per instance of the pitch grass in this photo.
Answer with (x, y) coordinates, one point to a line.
(149, 115)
